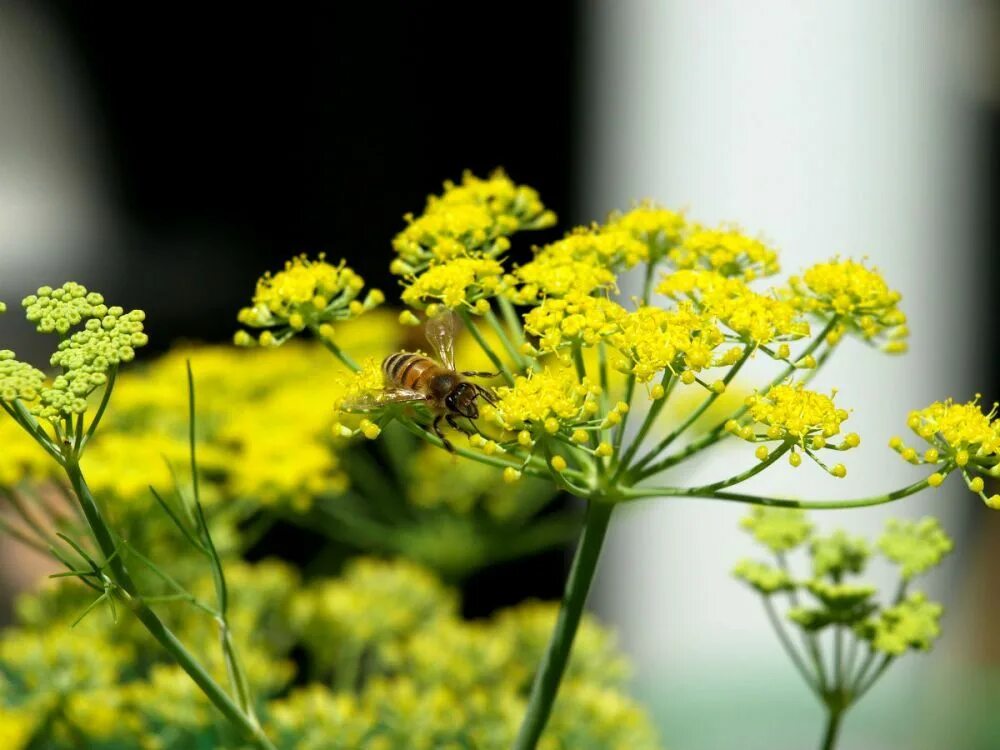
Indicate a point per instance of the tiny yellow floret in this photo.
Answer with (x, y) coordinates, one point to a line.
(511, 475)
(558, 464)
(369, 429)
(935, 479)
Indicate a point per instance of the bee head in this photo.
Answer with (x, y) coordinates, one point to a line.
(462, 400)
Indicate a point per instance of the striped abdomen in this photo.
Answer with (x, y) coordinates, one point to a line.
(408, 370)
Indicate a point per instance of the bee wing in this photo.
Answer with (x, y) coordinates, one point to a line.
(440, 331)
(391, 395)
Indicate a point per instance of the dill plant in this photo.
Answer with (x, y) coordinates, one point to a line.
(585, 373)
(865, 635)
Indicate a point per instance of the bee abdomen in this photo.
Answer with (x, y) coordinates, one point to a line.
(405, 369)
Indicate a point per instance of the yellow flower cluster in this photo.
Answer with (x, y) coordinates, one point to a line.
(582, 262)
(460, 283)
(281, 451)
(659, 228)
(550, 274)
(858, 296)
(306, 294)
(471, 218)
(798, 418)
(680, 340)
(758, 320)
(513, 206)
(575, 319)
(411, 674)
(544, 402)
(448, 254)
(959, 435)
(727, 251)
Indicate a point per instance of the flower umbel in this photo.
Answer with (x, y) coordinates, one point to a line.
(305, 294)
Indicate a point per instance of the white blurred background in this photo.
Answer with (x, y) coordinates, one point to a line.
(833, 128)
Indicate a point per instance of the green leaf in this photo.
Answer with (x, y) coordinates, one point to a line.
(764, 578)
(780, 529)
(916, 546)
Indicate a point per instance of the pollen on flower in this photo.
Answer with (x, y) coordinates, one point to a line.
(359, 389)
(858, 295)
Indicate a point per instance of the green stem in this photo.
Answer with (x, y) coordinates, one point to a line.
(105, 399)
(513, 321)
(786, 642)
(668, 382)
(620, 432)
(834, 717)
(550, 671)
(691, 418)
(886, 661)
(718, 431)
(470, 324)
(779, 502)
(219, 698)
(744, 476)
(348, 361)
(512, 350)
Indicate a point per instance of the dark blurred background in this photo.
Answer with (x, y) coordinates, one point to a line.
(234, 139)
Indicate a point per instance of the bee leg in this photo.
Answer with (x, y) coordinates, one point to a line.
(436, 426)
(475, 374)
(488, 395)
(450, 419)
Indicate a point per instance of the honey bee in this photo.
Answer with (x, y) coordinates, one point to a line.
(416, 378)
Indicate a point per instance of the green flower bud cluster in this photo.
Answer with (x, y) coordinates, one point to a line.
(829, 608)
(86, 358)
(914, 546)
(58, 310)
(18, 380)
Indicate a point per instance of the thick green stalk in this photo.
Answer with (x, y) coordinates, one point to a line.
(550, 672)
(219, 698)
(834, 718)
